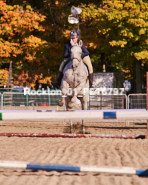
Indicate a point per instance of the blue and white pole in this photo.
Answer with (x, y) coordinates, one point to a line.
(73, 115)
(62, 168)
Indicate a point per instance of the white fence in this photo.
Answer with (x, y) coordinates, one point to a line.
(18, 99)
(108, 102)
(137, 101)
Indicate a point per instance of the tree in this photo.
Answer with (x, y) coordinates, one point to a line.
(18, 42)
(4, 74)
(56, 33)
(115, 32)
(121, 29)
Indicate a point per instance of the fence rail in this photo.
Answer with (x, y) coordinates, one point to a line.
(108, 102)
(132, 101)
(19, 99)
(137, 101)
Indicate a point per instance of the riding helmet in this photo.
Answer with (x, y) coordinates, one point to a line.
(74, 34)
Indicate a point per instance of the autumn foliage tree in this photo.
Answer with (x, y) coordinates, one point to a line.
(33, 36)
(39, 49)
(56, 33)
(4, 74)
(34, 33)
(18, 42)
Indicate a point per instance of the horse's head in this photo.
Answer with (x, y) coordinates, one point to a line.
(76, 54)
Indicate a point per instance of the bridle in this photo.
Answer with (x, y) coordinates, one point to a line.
(76, 58)
(74, 68)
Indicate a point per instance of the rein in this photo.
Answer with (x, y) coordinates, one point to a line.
(77, 59)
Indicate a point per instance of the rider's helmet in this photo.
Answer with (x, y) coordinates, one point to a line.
(74, 34)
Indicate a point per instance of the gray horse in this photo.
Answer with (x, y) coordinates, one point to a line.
(75, 79)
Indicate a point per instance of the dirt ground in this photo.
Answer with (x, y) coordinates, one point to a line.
(78, 151)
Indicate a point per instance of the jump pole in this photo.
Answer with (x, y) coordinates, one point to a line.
(73, 168)
(72, 135)
(74, 115)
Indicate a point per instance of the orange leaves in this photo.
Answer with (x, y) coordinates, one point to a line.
(32, 41)
(32, 45)
(16, 18)
(57, 2)
(4, 74)
(16, 30)
(45, 80)
(66, 33)
(8, 49)
(92, 45)
(2, 4)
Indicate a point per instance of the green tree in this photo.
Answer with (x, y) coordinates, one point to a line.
(121, 29)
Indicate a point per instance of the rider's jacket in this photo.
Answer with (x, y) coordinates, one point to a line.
(67, 50)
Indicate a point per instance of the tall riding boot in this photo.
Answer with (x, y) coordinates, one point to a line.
(58, 81)
(87, 61)
(90, 80)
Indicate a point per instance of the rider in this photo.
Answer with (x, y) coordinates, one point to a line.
(74, 36)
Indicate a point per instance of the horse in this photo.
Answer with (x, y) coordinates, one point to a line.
(75, 79)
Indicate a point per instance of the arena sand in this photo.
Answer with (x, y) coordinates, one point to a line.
(79, 151)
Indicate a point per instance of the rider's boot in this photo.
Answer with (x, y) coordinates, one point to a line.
(58, 81)
(60, 73)
(87, 61)
(90, 77)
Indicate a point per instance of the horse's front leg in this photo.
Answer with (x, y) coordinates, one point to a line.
(84, 102)
(76, 91)
(62, 100)
(65, 87)
(84, 98)
(71, 103)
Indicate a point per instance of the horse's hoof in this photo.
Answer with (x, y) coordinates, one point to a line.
(69, 108)
(72, 100)
(61, 103)
(70, 105)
